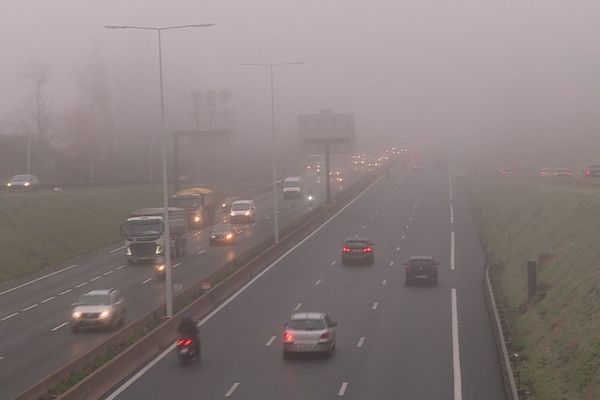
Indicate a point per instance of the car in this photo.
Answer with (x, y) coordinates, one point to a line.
(547, 171)
(421, 268)
(592, 170)
(418, 168)
(309, 332)
(159, 268)
(223, 234)
(101, 308)
(226, 204)
(358, 250)
(507, 171)
(562, 172)
(243, 211)
(23, 182)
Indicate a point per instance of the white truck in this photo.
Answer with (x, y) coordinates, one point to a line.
(144, 234)
(292, 187)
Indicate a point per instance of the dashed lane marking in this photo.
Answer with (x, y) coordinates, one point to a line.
(333, 262)
(343, 388)
(95, 278)
(146, 281)
(232, 389)
(9, 316)
(115, 250)
(64, 292)
(398, 248)
(47, 300)
(318, 282)
(384, 282)
(364, 227)
(81, 284)
(298, 307)
(270, 342)
(108, 272)
(361, 341)
(403, 236)
(59, 326)
(176, 265)
(118, 268)
(375, 306)
(391, 263)
(30, 307)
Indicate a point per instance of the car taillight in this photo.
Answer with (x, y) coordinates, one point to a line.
(346, 249)
(325, 335)
(587, 172)
(408, 268)
(288, 337)
(367, 249)
(184, 342)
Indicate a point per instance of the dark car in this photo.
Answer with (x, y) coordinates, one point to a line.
(23, 182)
(359, 250)
(592, 170)
(222, 234)
(421, 268)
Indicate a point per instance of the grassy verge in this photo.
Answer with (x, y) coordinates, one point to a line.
(558, 332)
(40, 229)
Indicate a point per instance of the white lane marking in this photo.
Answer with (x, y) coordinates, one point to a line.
(270, 342)
(333, 262)
(197, 233)
(64, 292)
(201, 251)
(254, 224)
(343, 388)
(318, 282)
(108, 272)
(407, 226)
(146, 281)
(203, 321)
(375, 306)
(232, 389)
(450, 185)
(452, 250)
(176, 265)
(383, 282)
(81, 284)
(298, 307)
(118, 268)
(95, 278)
(9, 316)
(1, 358)
(58, 327)
(370, 218)
(456, 350)
(364, 226)
(267, 217)
(451, 213)
(403, 236)
(37, 279)
(410, 218)
(391, 263)
(30, 307)
(361, 341)
(47, 300)
(398, 248)
(115, 250)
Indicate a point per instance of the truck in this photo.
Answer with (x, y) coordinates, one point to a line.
(144, 234)
(292, 187)
(199, 204)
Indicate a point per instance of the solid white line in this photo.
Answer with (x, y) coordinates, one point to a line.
(146, 281)
(361, 341)
(115, 250)
(38, 279)
(30, 307)
(333, 262)
(391, 263)
(58, 327)
(270, 342)
(47, 300)
(452, 250)
(176, 265)
(456, 350)
(108, 272)
(343, 388)
(162, 355)
(230, 391)
(201, 251)
(118, 268)
(451, 214)
(81, 284)
(95, 278)
(9, 316)
(384, 282)
(64, 292)
(298, 307)
(318, 282)
(374, 306)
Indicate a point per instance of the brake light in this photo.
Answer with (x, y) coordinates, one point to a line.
(367, 249)
(325, 335)
(346, 249)
(184, 342)
(288, 337)
(588, 172)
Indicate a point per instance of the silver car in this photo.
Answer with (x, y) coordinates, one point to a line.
(98, 308)
(309, 332)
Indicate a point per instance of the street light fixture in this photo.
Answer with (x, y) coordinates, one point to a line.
(169, 292)
(273, 156)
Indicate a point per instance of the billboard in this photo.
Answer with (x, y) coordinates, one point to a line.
(336, 130)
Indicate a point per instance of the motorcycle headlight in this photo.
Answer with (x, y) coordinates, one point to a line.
(76, 315)
(160, 267)
(197, 218)
(128, 251)
(104, 314)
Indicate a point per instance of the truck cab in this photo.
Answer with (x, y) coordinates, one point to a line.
(199, 204)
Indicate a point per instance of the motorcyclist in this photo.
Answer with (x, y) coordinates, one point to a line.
(187, 328)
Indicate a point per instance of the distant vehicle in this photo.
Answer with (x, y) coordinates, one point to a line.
(507, 171)
(418, 168)
(592, 170)
(292, 187)
(309, 332)
(98, 308)
(199, 205)
(547, 172)
(421, 268)
(243, 211)
(226, 204)
(358, 250)
(556, 172)
(223, 234)
(144, 234)
(23, 182)
(160, 268)
(338, 176)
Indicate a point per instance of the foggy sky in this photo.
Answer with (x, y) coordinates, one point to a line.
(507, 73)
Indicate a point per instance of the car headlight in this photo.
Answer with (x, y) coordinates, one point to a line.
(9, 184)
(223, 205)
(26, 183)
(197, 218)
(247, 213)
(104, 314)
(232, 214)
(213, 236)
(76, 315)
(160, 267)
(229, 236)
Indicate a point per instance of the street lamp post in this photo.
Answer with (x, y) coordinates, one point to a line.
(273, 156)
(167, 249)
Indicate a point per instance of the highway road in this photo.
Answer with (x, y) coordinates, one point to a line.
(393, 341)
(35, 338)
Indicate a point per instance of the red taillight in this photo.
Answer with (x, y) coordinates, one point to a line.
(288, 337)
(367, 249)
(408, 268)
(184, 342)
(346, 249)
(325, 335)
(587, 172)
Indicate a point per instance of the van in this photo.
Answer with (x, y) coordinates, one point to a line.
(243, 211)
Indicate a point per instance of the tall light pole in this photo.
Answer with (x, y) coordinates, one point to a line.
(273, 156)
(167, 249)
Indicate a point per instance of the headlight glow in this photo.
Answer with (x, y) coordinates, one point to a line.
(247, 213)
(26, 183)
(77, 314)
(9, 184)
(229, 236)
(104, 314)
(223, 205)
(160, 267)
(197, 218)
(232, 214)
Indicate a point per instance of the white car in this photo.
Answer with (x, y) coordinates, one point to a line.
(23, 182)
(243, 211)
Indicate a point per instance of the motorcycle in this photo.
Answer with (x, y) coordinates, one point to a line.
(186, 350)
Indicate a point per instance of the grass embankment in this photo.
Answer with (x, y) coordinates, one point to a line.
(558, 332)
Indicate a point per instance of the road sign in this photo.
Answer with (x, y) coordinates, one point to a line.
(337, 130)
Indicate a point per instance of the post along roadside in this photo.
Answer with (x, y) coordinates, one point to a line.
(199, 204)
(144, 234)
